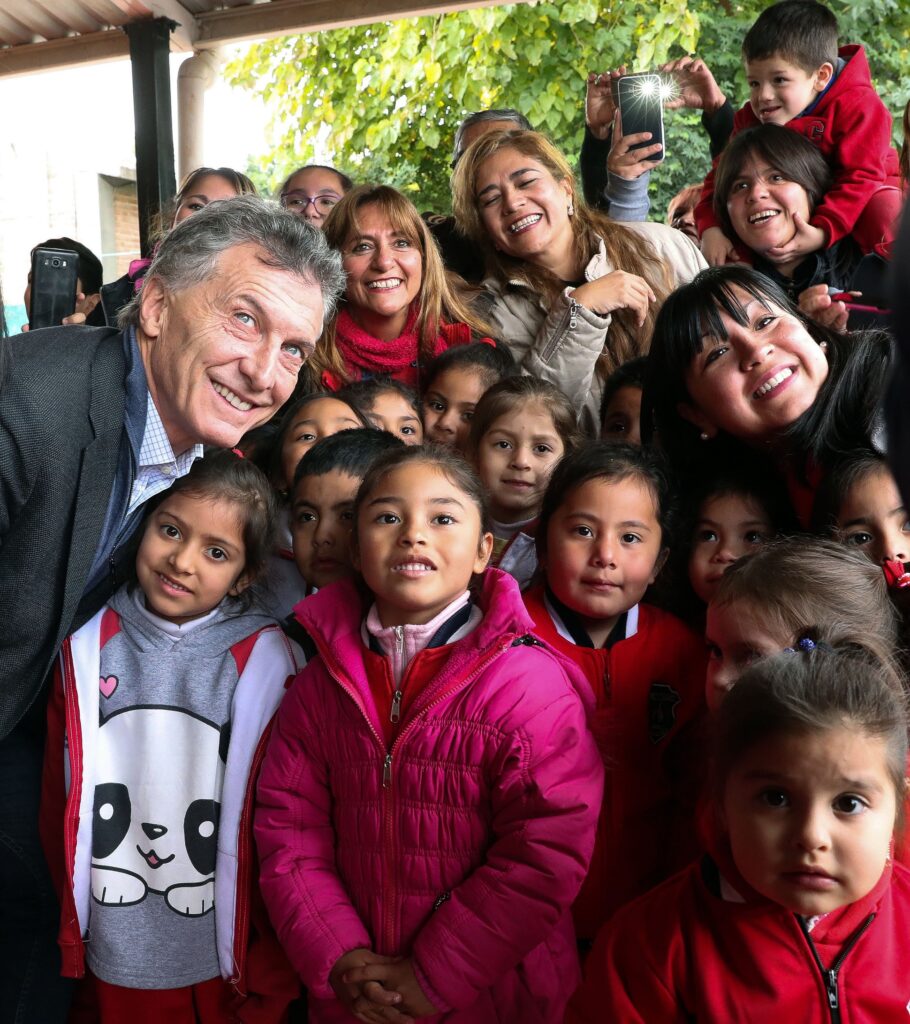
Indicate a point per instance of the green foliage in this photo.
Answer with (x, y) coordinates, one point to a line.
(382, 101)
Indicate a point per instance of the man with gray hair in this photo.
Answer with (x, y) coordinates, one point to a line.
(93, 423)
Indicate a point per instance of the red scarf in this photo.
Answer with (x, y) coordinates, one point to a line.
(366, 356)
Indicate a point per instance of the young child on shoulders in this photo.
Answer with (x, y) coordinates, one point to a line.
(306, 421)
(620, 407)
(322, 502)
(454, 383)
(152, 830)
(601, 541)
(521, 428)
(388, 404)
(428, 801)
(799, 78)
(798, 913)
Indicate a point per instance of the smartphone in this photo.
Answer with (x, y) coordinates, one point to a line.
(55, 275)
(640, 102)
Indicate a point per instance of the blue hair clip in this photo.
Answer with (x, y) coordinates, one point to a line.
(804, 643)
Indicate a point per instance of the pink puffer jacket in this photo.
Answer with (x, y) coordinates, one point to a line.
(463, 845)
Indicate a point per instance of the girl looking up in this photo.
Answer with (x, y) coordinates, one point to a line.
(153, 831)
(428, 800)
(799, 912)
(521, 428)
(601, 540)
(388, 404)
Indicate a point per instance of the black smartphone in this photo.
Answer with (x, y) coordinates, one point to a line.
(640, 102)
(55, 274)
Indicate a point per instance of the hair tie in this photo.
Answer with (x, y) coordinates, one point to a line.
(238, 453)
(806, 644)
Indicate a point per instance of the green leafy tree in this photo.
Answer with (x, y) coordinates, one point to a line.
(382, 101)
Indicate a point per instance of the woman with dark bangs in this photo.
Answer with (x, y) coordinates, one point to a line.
(734, 363)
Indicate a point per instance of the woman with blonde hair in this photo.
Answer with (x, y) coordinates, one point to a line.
(400, 308)
(574, 293)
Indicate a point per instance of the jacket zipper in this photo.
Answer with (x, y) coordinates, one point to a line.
(395, 713)
(73, 738)
(569, 319)
(829, 976)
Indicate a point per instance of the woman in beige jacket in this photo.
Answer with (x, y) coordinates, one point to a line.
(575, 294)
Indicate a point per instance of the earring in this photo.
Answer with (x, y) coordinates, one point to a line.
(703, 436)
(570, 209)
(823, 345)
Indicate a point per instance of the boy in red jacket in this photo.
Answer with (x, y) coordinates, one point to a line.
(799, 78)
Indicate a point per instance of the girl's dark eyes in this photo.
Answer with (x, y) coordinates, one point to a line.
(409, 431)
(436, 406)
(169, 530)
(501, 444)
(763, 321)
(219, 554)
(630, 538)
(542, 449)
(306, 437)
(443, 519)
(583, 531)
(774, 797)
(387, 518)
(306, 517)
(715, 354)
(849, 803)
(860, 538)
(706, 536)
(754, 537)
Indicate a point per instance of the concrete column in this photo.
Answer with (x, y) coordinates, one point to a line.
(196, 74)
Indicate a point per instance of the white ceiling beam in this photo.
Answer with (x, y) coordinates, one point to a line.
(289, 17)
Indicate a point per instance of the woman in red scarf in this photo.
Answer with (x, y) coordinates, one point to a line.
(401, 308)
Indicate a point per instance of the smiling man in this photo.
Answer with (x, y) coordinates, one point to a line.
(93, 423)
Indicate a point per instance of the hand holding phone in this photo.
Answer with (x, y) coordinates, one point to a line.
(640, 101)
(53, 287)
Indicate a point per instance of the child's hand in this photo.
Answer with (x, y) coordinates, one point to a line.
(351, 994)
(697, 87)
(807, 239)
(397, 977)
(717, 248)
(618, 290)
(599, 105)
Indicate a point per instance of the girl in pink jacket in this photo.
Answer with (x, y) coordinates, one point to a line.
(427, 805)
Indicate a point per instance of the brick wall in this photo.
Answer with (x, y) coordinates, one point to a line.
(125, 226)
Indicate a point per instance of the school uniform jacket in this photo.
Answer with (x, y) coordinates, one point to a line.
(647, 687)
(698, 951)
(264, 668)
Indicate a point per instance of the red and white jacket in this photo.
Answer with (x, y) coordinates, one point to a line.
(703, 947)
(247, 952)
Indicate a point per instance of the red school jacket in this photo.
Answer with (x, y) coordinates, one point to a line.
(647, 688)
(693, 950)
(852, 129)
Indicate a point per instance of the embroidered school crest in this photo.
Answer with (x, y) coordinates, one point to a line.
(662, 703)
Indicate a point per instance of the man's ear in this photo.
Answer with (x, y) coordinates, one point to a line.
(697, 418)
(152, 306)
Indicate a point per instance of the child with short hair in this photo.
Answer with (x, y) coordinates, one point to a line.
(428, 800)
(799, 78)
(601, 539)
(455, 382)
(160, 759)
(322, 502)
(388, 404)
(620, 407)
(521, 428)
(798, 913)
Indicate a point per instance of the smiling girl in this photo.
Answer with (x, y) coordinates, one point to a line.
(159, 707)
(400, 307)
(734, 363)
(601, 540)
(798, 913)
(429, 795)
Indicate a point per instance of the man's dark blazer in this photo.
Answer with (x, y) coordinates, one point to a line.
(62, 406)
